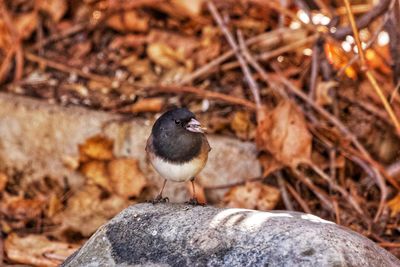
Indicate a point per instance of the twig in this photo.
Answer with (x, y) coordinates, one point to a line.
(6, 64)
(363, 21)
(379, 180)
(108, 81)
(368, 73)
(325, 200)
(277, 52)
(67, 69)
(269, 38)
(314, 70)
(337, 211)
(391, 26)
(229, 37)
(337, 188)
(389, 244)
(253, 62)
(19, 56)
(59, 36)
(324, 8)
(368, 45)
(335, 121)
(202, 93)
(275, 5)
(1, 249)
(298, 198)
(284, 193)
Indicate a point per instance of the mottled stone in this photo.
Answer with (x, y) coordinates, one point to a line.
(183, 235)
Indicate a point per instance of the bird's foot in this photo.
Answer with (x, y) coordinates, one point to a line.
(159, 199)
(194, 202)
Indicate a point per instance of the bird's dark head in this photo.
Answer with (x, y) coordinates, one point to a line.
(177, 135)
(179, 120)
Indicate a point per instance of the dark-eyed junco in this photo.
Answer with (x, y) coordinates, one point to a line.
(177, 148)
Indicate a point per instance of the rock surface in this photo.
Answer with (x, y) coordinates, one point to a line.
(183, 235)
(36, 138)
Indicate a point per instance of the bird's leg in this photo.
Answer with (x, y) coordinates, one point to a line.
(159, 197)
(193, 200)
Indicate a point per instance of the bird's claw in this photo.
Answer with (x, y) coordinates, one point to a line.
(159, 199)
(194, 202)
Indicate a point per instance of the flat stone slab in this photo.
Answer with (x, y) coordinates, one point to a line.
(37, 137)
(183, 235)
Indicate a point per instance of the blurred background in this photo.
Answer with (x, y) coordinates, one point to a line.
(300, 99)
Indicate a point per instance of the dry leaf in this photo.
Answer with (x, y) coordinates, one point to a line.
(5, 37)
(252, 195)
(164, 55)
(128, 21)
(284, 134)
(322, 92)
(175, 75)
(21, 209)
(241, 124)
(128, 41)
(126, 176)
(269, 164)
(54, 206)
(97, 147)
(25, 24)
(338, 58)
(154, 104)
(55, 8)
(375, 61)
(96, 172)
(394, 205)
(88, 209)
(3, 181)
(188, 7)
(71, 162)
(37, 250)
(186, 45)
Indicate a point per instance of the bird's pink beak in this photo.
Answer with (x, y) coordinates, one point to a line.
(195, 126)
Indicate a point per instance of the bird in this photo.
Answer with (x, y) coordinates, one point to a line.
(177, 148)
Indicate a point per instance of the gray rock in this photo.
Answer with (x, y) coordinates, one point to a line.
(183, 235)
(38, 138)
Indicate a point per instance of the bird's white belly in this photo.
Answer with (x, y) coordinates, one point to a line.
(175, 172)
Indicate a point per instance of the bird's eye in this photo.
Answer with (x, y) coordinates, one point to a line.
(177, 121)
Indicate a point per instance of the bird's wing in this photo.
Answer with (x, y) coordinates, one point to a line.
(149, 143)
(205, 141)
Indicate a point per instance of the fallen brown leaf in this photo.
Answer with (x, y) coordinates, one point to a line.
(242, 125)
(126, 176)
(394, 205)
(269, 164)
(25, 24)
(339, 58)
(22, 209)
(96, 147)
(188, 7)
(37, 250)
(88, 209)
(284, 134)
(322, 92)
(128, 21)
(55, 8)
(97, 174)
(154, 104)
(164, 55)
(252, 195)
(3, 181)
